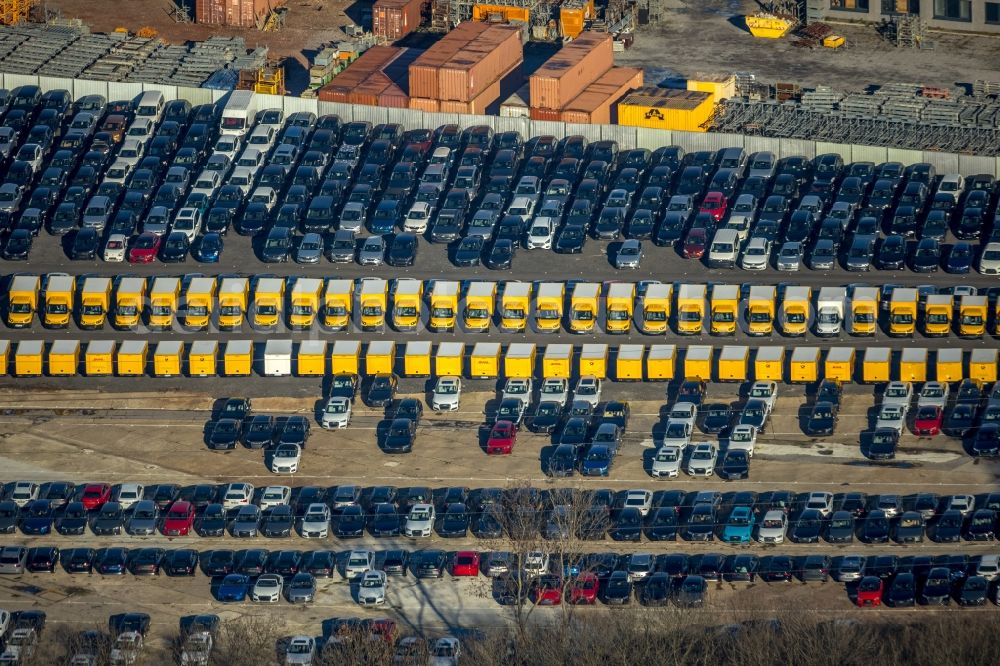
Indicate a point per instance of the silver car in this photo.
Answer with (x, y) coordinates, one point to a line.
(790, 256)
(447, 394)
(629, 254)
(301, 589)
(342, 248)
(247, 521)
(12, 559)
(268, 588)
(157, 221)
(352, 217)
(310, 250)
(336, 413)
(371, 591)
(316, 522)
(372, 251)
(144, 519)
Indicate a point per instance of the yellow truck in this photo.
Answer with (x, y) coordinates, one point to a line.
(444, 305)
(690, 308)
(95, 302)
(938, 309)
(584, 307)
(268, 302)
(864, 311)
(22, 300)
(338, 302)
(972, 316)
(373, 301)
(199, 302)
(656, 308)
(724, 306)
(164, 300)
(406, 302)
(479, 303)
(515, 304)
(549, 301)
(58, 301)
(619, 304)
(304, 303)
(795, 310)
(234, 297)
(129, 298)
(903, 312)
(761, 310)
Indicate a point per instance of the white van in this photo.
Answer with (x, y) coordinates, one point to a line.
(150, 105)
(725, 249)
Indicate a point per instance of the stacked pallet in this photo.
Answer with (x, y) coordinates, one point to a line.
(467, 70)
(377, 78)
(580, 84)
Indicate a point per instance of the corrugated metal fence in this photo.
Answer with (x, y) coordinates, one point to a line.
(627, 137)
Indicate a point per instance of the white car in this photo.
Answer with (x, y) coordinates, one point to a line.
(20, 646)
(554, 389)
(447, 394)
(4, 621)
(766, 391)
(417, 218)
(274, 496)
(359, 562)
(588, 389)
(23, 493)
(316, 522)
(743, 438)
(639, 499)
(420, 521)
(336, 413)
(677, 433)
(891, 416)
(519, 388)
(301, 651)
(934, 394)
(129, 493)
(445, 652)
(126, 649)
(773, 528)
(685, 412)
(988, 567)
(188, 222)
(964, 504)
(371, 590)
(197, 649)
(667, 462)
(756, 254)
(267, 589)
(286, 459)
(898, 393)
(536, 563)
(541, 234)
(989, 260)
(114, 248)
(237, 495)
(821, 501)
(229, 145)
(703, 458)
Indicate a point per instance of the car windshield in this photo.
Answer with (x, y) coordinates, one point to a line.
(371, 582)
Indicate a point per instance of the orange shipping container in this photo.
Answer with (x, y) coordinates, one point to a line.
(465, 62)
(368, 76)
(479, 105)
(573, 68)
(423, 104)
(544, 114)
(239, 13)
(392, 19)
(596, 104)
(393, 97)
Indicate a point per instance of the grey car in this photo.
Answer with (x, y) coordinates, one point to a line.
(301, 589)
(341, 250)
(247, 521)
(12, 559)
(629, 254)
(144, 519)
(372, 251)
(353, 216)
(310, 249)
(157, 221)
(790, 256)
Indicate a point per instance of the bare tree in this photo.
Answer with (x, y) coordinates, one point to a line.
(250, 640)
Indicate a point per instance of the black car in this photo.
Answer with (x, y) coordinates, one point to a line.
(778, 568)
(42, 558)
(235, 408)
(319, 563)
(822, 420)
(258, 431)
(212, 521)
(10, 516)
(469, 251)
(454, 521)
(563, 460)
(740, 568)
(883, 444)
(617, 589)
(18, 245)
(181, 562)
(808, 527)
(145, 561)
(85, 244)
(960, 420)
(892, 253)
(78, 560)
(902, 591)
(109, 519)
(691, 592)
(571, 240)
(396, 562)
(111, 561)
(959, 258)
(840, 527)
(662, 525)
(875, 527)
(927, 256)
(223, 434)
(278, 521)
(400, 436)
(428, 563)
(936, 589)
(715, 418)
(344, 385)
(501, 255)
(277, 245)
(384, 520)
(948, 528)
(627, 525)
(546, 417)
(735, 465)
(350, 522)
(986, 442)
(218, 562)
(656, 590)
(973, 591)
(252, 562)
(175, 247)
(129, 622)
(981, 526)
(73, 519)
(402, 250)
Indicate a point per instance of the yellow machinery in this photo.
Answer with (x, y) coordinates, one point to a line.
(769, 26)
(266, 80)
(833, 41)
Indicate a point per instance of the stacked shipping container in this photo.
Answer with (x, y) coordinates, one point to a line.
(596, 104)
(568, 72)
(393, 19)
(239, 13)
(377, 78)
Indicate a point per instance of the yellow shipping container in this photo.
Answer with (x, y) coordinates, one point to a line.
(628, 363)
(839, 364)
(719, 86)
(310, 358)
(202, 358)
(913, 365)
(507, 12)
(594, 360)
(570, 21)
(237, 358)
(28, 358)
(380, 357)
(983, 364)
(804, 365)
(698, 363)
(660, 363)
(4, 356)
(519, 361)
(132, 356)
(948, 365)
(733, 363)
(167, 358)
(417, 359)
(558, 361)
(448, 360)
(660, 108)
(484, 362)
(99, 358)
(64, 358)
(875, 365)
(345, 357)
(769, 364)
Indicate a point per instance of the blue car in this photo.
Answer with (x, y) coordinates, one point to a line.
(597, 461)
(739, 527)
(234, 587)
(209, 249)
(37, 517)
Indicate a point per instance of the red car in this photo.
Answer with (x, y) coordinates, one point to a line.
(466, 563)
(384, 629)
(547, 590)
(583, 590)
(694, 244)
(502, 438)
(179, 519)
(870, 591)
(715, 205)
(144, 249)
(928, 421)
(96, 495)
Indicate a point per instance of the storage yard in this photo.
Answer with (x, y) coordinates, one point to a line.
(527, 327)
